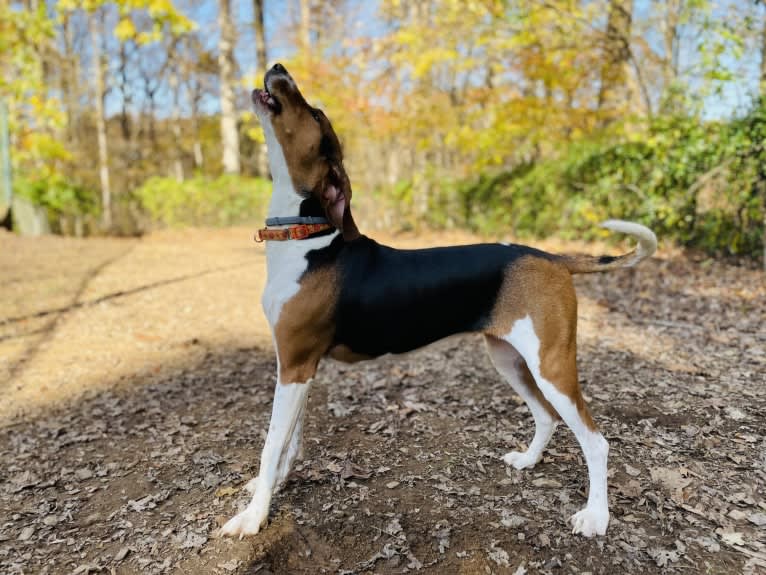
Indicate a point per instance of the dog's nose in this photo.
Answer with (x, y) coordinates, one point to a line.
(279, 68)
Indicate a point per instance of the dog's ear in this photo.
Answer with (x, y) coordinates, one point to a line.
(336, 200)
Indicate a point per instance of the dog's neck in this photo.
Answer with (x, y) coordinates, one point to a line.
(284, 200)
(288, 258)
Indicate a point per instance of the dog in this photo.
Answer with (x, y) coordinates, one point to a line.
(333, 292)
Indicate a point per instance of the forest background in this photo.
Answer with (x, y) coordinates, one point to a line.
(515, 117)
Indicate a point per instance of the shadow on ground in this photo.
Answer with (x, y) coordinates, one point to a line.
(401, 473)
(168, 401)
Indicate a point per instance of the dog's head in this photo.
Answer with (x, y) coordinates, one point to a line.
(311, 149)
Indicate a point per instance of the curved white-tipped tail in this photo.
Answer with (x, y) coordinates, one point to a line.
(647, 241)
(647, 245)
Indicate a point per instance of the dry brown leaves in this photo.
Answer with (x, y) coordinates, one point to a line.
(402, 468)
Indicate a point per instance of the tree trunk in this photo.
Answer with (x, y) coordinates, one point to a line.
(670, 40)
(229, 132)
(69, 77)
(199, 159)
(103, 150)
(151, 117)
(126, 96)
(671, 100)
(178, 166)
(261, 61)
(194, 99)
(613, 92)
(261, 58)
(763, 103)
(305, 27)
(763, 65)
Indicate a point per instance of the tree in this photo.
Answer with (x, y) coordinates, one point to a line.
(305, 24)
(670, 25)
(226, 65)
(96, 26)
(68, 75)
(763, 76)
(175, 119)
(261, 61)
(160, 16)
(261, 58)
(33, 117)
(200, 71)
(614, 93)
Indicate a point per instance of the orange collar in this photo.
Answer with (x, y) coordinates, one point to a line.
(300, 232)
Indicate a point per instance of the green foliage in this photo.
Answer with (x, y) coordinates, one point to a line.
(200, 201)
(700, 184)
(34, 113)
(57, 195)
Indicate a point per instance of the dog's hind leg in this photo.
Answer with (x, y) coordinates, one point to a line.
(549, 351)
(513, 368)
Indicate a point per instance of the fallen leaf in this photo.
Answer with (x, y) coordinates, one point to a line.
(662, 557)
(122, 553)
(498, 555)
(226, 491)
(730, 537)
(673, 480)
(231, 565)
(546, 482)
(735, 413)
(352, 470)
(26, 533)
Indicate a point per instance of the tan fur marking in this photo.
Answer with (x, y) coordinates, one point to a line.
(313, 154)
(543, 290)
(300, 136)
(306, 326)
(345, 354)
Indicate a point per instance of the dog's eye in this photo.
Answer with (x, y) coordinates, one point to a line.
(315, 114)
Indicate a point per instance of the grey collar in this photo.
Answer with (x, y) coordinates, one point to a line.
(289, 220)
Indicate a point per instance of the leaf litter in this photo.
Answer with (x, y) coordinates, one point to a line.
(402, 467)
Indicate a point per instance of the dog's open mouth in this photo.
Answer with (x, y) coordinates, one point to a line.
(265, 99)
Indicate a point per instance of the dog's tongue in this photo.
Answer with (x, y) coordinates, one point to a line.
(336, 204)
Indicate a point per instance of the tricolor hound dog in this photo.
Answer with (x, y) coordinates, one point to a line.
(333, 292)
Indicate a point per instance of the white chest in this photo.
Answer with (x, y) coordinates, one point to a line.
(285, 261)
(285, 264)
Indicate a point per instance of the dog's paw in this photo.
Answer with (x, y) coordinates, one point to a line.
(589, 523)
(521, 460)
(249, 522)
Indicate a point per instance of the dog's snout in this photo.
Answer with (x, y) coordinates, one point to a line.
(278, 68)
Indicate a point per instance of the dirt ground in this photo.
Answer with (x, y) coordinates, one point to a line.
(136, 379)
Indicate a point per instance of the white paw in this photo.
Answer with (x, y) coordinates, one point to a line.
(251, 485)
(248, 522)
(521, 460)
(588, 522)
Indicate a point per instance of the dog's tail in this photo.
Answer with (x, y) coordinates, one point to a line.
(647, 244)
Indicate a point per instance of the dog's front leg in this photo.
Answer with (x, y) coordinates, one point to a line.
(294, 451)
(279, 451)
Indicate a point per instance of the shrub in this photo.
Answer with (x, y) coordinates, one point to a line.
(57, 195)
(200, 201)
(700, 184)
